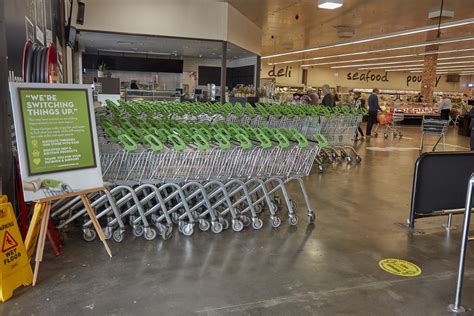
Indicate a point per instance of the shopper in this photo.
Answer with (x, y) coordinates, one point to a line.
(359, 103)
(373, 110)
(445, 107)
(313, 95)
(134, 85)
(328, 98)
(471, 126)
(419, 98)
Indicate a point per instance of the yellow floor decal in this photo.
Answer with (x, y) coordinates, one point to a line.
(400, 267)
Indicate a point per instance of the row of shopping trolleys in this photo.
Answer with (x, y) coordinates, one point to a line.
(156, 185)
(156, 209)
(333, 128)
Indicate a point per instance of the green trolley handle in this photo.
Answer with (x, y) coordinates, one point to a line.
(223, 141)
(302, 141)
(283, 142)
(321, 140)
(128, 143)
(177, 142)
(112, 133)
(243, 141)
(158, 133)
(155, 144)
(265, 142)
(201, 142)
(205, 133)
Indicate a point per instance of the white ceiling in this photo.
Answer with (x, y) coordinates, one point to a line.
(109, 43)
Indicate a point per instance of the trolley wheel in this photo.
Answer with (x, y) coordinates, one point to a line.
(293, 220)
(225, 224)
(358, 159)
(66, 227)
(131, 219)
(167, 233)
(217, 227)
(258, 208)
(138, 231)
(245, 220)
(343, 155)
(175, 217)
(89, 234)
(310, 218)
(149, 233)
(159, 226)
(237, 225)
(349, 159)
(321, 168)
(275, 221)
(108, 232)
(187, 230)
(257, 223)
(118, 235)
(385, 135)
(204, 225)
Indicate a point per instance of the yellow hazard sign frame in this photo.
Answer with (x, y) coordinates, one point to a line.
(15, 269)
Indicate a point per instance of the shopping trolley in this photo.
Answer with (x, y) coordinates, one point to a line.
(391, 121)
(434, 127)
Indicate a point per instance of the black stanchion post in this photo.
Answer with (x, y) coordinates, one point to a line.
(456, 307)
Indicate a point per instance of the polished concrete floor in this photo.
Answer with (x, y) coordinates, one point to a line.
(330, 268)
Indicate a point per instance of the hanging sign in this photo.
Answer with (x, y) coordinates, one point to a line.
(56, 139)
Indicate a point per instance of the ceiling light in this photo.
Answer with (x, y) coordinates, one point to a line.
(132, 52)
(394, 57)
(377, 64)
(439, 42)
(390, 67)
(329, 4)
(386, 57)
(403, 70)
(421, 69)
(447, 51)
(457, 62)
(418, 66)
(379, 37)
(357, 60)
(456, 57)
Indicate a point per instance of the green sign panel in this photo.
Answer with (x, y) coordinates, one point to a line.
(57, 129)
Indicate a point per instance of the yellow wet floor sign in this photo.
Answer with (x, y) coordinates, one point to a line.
(400, 267)
(15, 269)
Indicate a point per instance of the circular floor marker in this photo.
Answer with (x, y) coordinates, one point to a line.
(400, 267)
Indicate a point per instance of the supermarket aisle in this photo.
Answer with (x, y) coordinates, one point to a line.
(327, 269)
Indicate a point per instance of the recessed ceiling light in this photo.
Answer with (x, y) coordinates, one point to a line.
(440, 42)
(397, 56)
(329, 4)
(378, 64)
(380, 37)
